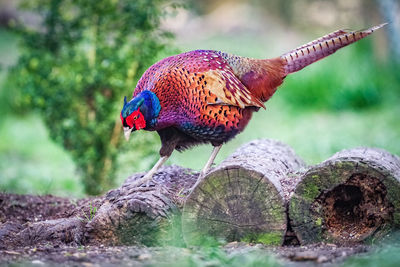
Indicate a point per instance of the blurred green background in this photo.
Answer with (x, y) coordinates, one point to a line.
(346, 100)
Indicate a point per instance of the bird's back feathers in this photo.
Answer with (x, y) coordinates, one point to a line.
(260, 76)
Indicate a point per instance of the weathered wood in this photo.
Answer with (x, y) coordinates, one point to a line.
(127, 215)
(245, 197)
(143, 215)
(353, 196)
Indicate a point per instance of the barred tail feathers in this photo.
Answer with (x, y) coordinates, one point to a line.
(311, 52)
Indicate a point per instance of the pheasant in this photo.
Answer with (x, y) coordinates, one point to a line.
(207, 96)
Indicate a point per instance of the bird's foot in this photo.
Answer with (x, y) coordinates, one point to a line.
(145, 181)
(150, 183)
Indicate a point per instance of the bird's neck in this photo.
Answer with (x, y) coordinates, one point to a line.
(150, 107)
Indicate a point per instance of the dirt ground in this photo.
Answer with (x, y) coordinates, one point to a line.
(315, 255)
(17, 211)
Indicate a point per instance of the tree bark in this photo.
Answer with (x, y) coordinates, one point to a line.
(245, 197)
(353, 196)
(127, 215)
(143, 215)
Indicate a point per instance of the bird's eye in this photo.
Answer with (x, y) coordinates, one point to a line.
(136, 117)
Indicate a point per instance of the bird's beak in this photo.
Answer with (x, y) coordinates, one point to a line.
(127, 133)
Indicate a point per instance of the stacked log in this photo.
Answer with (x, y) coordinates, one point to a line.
(245, 197)
(353, 196)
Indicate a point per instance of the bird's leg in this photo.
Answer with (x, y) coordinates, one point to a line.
(207, 166)
(210, 161)
(169, 140)
(149, 174)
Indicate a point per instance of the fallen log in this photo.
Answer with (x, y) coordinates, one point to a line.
(127, 215)
(353, 196)
(245, 197)
(143, 215)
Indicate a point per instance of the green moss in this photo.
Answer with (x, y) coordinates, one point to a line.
(393, 193)
(318, 221)
(315, 177)
(272, 238)
(278, 213)
(295, 211)
(310, 190)
(396, 219)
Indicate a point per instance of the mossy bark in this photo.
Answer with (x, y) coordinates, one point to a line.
(353, 196)
(124, 216)
(143, 215)
(245, 197)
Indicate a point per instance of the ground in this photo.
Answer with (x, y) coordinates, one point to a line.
(19, 210)
(315, 255)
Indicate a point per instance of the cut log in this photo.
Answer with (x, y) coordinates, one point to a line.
(143, 215)
(353, 196)
(245, 197)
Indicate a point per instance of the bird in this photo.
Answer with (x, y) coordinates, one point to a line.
(208, 96)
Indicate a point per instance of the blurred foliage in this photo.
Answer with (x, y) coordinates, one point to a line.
(30, 163)
(388, 256)
(354, 81)
(302, 14)
(216, 256)
(386, 253)
(7, 56)
(75, 68)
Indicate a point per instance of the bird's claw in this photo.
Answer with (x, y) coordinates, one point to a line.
(150, 183)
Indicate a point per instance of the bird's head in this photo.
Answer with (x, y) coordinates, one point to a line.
(140, 113)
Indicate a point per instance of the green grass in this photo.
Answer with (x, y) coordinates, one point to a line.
(388, 256)
(385, 254)
(32, 164)
(215, 256)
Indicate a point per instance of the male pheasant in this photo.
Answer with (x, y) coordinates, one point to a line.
(207, 96)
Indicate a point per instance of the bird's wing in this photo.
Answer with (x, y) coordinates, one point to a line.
(229, 89)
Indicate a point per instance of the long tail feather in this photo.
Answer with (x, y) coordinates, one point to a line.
(322, 47)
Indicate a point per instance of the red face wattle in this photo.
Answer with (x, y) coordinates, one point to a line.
(135, 120)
